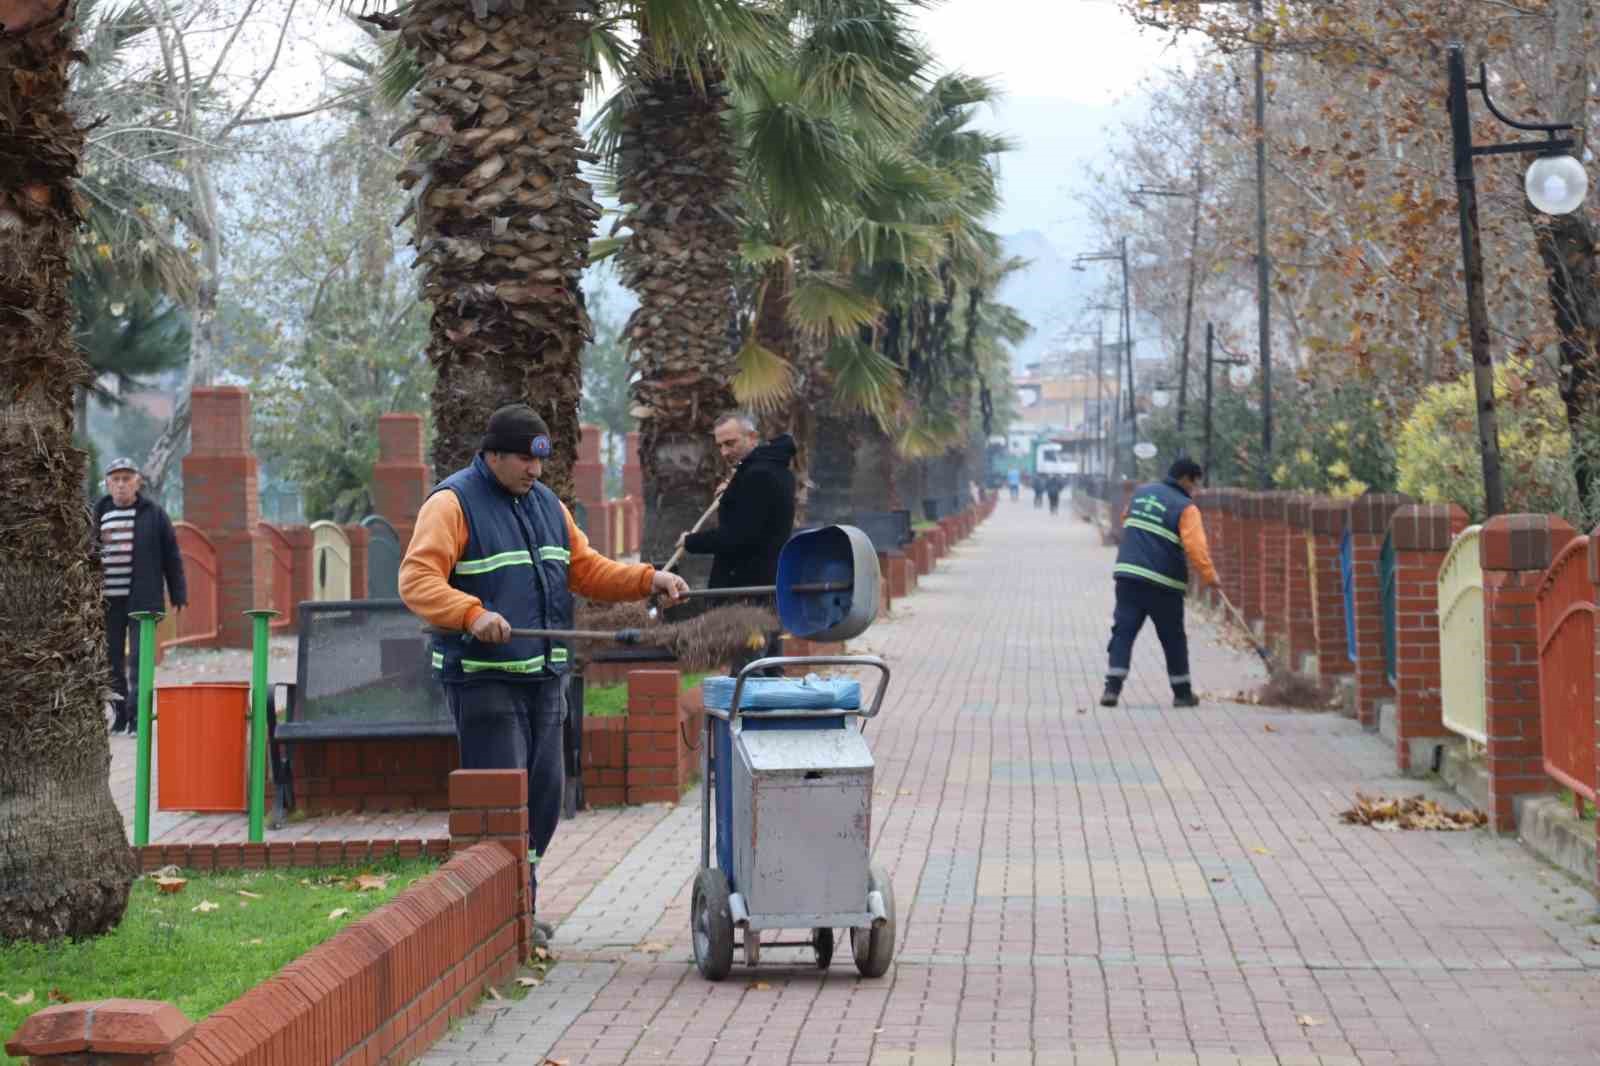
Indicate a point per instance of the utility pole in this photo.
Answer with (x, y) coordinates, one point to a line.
(1263, 273)
(1208, 400)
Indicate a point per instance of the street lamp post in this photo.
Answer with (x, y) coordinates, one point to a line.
(1556, 184)
(1188, 302)
(1211, 363)
(1120, 256)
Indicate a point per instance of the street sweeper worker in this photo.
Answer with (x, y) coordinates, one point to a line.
(756, 515)
(493, 549)
(1163, 539)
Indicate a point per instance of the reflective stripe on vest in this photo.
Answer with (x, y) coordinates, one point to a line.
(1151, 527)
(495, 562)
(1129, 570)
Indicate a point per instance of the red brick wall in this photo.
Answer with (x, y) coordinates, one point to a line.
(1422, 537)
(1515, 551)
(1247, 508)
(1302, 618)
(655, 741)
(1273, 507)
(381, 991)
(1329, 519)
(221, 497)
(1369, 524)
(605, 762)
(373, 775)
(401, 477)
(359, 539)
(286, 854)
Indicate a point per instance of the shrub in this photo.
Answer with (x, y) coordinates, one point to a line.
(1438, 449)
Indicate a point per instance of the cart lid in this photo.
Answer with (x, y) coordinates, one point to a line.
(796, 751)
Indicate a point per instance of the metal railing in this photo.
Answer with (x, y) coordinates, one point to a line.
(1566, 670)
(1347, 578)
(1389, 595)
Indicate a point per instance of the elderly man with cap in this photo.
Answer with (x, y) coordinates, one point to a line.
(139, 555)
(494, 550)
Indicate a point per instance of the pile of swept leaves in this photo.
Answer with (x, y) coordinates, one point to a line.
(1416, 812)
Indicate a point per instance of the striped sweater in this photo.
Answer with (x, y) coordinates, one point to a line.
(116, 538)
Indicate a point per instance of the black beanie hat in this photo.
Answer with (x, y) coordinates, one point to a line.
(515, 428)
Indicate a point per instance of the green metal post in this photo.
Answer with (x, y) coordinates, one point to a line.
(259, 698)
(147, 683)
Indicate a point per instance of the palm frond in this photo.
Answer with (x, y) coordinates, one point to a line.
(824, 304)
(764, 380)
(863, 380)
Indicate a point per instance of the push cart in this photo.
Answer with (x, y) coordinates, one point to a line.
(790, 793)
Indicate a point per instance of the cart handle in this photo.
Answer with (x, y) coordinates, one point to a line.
(731, 715)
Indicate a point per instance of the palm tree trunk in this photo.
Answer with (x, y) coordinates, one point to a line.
(65, 866)
(677, 166)
(503, 217)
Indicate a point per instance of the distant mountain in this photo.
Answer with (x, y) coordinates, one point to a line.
(1047, 292)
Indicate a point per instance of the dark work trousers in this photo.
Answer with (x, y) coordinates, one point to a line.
(122, 642)
(1136, 601)
(502, 725)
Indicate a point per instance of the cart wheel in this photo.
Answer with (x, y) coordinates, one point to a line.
(712, 921)
(752, 947)
(873, 948)
(822, 944)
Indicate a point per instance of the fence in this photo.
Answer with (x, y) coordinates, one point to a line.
(330, 555)
(1386, 584)
(280, 563)
(1347, 576)
(1566, 670)
(1461, 636)
(383, 558)
(197, 623)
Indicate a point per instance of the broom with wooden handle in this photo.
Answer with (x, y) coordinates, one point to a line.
(1250, 634)
(677, 556)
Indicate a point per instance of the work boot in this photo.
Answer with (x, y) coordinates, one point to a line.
(1183, 696)
(1111, 695)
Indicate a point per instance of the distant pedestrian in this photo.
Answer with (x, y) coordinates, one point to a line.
(1162, 538)
(1052, 488)
(1038, 491)
(1014, 482)
(143, 569)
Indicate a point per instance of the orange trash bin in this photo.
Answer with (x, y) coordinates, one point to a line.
(201, 746)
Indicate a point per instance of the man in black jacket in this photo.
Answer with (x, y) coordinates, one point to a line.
(756, 515)
(139, 554)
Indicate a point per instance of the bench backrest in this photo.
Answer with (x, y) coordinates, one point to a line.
(364, 662)
(888, 530)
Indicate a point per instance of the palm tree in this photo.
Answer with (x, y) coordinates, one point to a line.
(65, 865)
(669, 141)
(502, 215)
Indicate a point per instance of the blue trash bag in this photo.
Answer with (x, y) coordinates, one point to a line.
(784, 693)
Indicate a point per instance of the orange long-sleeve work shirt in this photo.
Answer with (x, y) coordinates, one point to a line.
(440, 538)
(1192, 534)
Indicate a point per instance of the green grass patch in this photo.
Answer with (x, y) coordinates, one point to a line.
(1568, 799)
(179, 948)
(611, 701)
(923, 527)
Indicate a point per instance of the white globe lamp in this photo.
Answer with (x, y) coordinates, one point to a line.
(1161, 398)
(1242, 375)
(1556, 184)
(1144, 450)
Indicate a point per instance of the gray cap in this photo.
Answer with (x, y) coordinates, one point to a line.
(123, 463)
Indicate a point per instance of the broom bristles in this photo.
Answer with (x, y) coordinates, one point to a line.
(708, 641)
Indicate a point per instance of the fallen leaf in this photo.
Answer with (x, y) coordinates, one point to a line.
(905, 792)
(1416, 812)
(205, 906)
(20, 1000)
(529, 982)
(1260, 850)
(335, 915)
(171, 884)
(250, 895)
(170, 870)
(1307, 1020)
(370, 882)
(257, 942)
(1269, 728)
(653, 947)
(541, 953)
(555, 1062)
(759, 986)
(1218, 880)
(58, 996)
(492, 993)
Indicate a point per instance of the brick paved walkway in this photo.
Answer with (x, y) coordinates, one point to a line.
(1076, 886)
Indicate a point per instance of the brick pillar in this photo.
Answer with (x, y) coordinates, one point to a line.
(654, 739)
(106, 1032)
(1302, 640)
(1515, 550)
(359, 539)
(492, 805)
(221, 497)
(1273, 508)
(1422, 536)
(589, 485)
(302, 579)
(1369, 524)
(401, 477)
(1329, 519)
(1247, 508)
